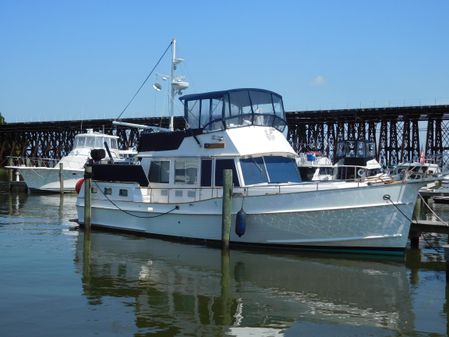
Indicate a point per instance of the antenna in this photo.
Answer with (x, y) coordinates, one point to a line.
(178, 83)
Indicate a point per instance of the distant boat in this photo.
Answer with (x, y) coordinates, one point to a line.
(314, 166)
(38, 176)
(415, 170)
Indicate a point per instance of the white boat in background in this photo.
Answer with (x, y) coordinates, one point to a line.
(416, 170)
(313, 166)
(47, 178)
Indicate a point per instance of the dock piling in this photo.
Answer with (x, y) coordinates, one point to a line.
(61, 178)
(446, 258)
(227, 205)
(87, 197)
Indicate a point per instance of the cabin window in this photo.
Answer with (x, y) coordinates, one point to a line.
(186, 171)
(212, 114)
(107, 191)
(79, 142)
(269, 169)
(193, 109)
(281, 169)
(206, 172)
(123, 192)
(90, 141)
(205, 111)
(220, 166)
(99, 142)
(254, 171)
(159, 171)
(107, 141)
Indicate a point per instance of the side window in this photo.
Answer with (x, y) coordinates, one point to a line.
(206, 172)
(159, 171)
(186, 171)
(220, 166)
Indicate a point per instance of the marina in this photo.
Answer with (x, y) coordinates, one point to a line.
(233, 170)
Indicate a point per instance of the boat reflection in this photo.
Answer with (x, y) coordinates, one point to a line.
(43, 208)
(195, 290)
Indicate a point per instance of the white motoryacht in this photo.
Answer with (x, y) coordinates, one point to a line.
(176, 190)
(43, 178)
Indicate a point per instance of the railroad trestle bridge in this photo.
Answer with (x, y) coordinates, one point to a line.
(396, 134)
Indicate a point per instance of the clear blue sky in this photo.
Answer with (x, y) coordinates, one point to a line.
(85, 59)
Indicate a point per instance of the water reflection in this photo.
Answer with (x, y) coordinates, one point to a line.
(179, 289)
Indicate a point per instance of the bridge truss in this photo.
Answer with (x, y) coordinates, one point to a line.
(399, 134)
(396, 134)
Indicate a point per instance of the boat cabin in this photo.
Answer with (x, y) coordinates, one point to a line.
(85, 142)
(95, 140)
(238, 129)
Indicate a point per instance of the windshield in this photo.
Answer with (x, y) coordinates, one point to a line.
(269, 169)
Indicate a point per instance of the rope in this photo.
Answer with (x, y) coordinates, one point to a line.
(436, 216)
(146, 79)
(129, 213)
(431, 210)
(388, 198)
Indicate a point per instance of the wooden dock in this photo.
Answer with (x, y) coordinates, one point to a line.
(426, 226)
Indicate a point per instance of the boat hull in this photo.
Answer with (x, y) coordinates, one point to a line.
(46, 179)
(370, 218)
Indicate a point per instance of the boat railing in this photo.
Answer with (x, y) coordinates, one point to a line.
(31, 162)
(194, 194)
(357, 173)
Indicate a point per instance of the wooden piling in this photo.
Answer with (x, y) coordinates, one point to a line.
(414, 239)
(61, 178)
(446, 257)
(418, 208)
(87, 197)
(227, 206)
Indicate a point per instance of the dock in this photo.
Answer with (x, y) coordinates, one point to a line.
(429, 226)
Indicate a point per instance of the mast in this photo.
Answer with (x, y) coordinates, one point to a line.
(172, 79)
(178, 83)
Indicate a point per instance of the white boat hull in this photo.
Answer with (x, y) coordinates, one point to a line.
(345, 218)
(47, 179)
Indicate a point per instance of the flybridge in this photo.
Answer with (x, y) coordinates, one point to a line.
(219, 110)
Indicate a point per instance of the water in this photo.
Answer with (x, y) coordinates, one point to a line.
(55, 281)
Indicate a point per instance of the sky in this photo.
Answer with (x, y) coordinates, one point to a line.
(85, 59)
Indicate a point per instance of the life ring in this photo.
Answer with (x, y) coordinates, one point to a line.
(78, 185)
(360, 172)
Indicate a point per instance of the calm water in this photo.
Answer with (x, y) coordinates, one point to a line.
(55, 281)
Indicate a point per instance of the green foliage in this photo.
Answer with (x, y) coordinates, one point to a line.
(2, 119)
